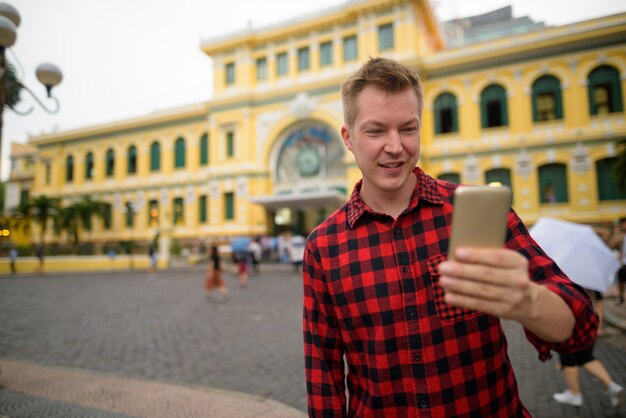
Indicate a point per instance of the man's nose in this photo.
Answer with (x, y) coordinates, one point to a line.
(393, 143)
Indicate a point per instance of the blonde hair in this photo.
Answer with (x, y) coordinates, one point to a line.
(384, 73)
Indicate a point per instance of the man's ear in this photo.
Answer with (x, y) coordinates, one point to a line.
(345, 134)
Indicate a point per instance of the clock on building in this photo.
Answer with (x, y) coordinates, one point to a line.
(308, 160)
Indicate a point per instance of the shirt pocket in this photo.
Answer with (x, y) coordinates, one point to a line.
(445, 311)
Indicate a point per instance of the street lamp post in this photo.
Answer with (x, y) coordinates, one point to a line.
(48, 74)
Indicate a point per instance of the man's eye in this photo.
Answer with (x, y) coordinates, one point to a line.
(409, 130)
(373, 132)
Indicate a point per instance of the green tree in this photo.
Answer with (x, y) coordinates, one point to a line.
(42, 209)
(78, 217)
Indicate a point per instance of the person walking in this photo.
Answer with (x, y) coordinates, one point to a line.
(386, 318)
(213, 279)
(256, 254)
(41, 253)
(571, 364)
(13, 260)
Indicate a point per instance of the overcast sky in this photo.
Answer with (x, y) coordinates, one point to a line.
(126, 58)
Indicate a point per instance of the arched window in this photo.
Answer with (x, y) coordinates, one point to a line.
(553, 183)
(131, 160)
(446, 114)
(204, 149)
(451, 177)
(110, 163)
(493, 107)
(89, 165)
(130, 214)
(608, 189)
(605, 91)
(499, 175)
(178, 210)
(179, 153)
(69, 169)
(547, 100)
(155, 156)
(107, 211)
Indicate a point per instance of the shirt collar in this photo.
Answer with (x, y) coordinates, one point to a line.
(425, 189)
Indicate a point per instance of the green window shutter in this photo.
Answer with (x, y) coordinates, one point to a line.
(550, 87)
(261, 69)
(204, 149)
(155, 156)
(89, 166)
(451, 177)
(131, 160)
(202, 209)
(385, 37)
(229, 206)
(179, 211)
(553, 183)
(608, 188)
(110, 163)
(446, 114)
(107, 216)
(69, 169)
(607, 79)
(130, 215)
(179, 153)
(501, 175)
(349, 48)
(326, 53)
(230, 144)
(493, 106)
(230, 73)
(281, 64)
(303, 59)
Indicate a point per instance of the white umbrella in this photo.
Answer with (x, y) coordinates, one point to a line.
(578, 251)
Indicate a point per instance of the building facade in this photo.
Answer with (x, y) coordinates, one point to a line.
(541, 111)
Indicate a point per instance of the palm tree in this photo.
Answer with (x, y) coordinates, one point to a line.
(78, 216)
(43, 208)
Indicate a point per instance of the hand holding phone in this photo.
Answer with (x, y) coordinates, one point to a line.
(479, 218)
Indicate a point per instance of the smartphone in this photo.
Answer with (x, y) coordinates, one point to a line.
(479, 217)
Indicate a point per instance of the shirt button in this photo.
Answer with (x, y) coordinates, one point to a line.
(422, 401)
(417, 357)
(397, 233)
(411, 312)
(405, 270)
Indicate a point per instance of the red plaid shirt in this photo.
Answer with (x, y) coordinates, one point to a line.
(371, 294)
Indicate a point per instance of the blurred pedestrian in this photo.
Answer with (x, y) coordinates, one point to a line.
(256, 254)
(214, 277)
(41, 253)
(153, 259)
(243, 260)
(13, 259)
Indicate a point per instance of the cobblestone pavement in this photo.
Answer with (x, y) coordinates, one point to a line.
(164, 329)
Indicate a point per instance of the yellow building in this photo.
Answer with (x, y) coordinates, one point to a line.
(540, 110)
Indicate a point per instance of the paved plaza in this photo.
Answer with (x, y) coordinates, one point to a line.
(147, 336)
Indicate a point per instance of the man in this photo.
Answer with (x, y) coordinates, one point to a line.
(421, 336)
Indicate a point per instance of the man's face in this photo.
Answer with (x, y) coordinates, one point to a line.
(385, 139)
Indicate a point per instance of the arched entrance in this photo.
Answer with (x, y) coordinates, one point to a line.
(308, 178)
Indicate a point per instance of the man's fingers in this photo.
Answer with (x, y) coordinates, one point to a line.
(499, 257)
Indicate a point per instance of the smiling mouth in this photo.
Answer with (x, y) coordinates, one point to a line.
(391, 165)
